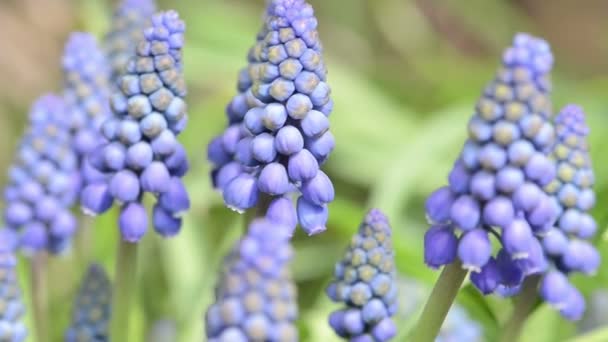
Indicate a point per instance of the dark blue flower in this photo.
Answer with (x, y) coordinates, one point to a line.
(91, 310)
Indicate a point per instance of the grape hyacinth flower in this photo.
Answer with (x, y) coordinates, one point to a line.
(142, 153)
(566, 244)
(91, 311)
(41, 185)
(496, 185)
(285, 137)
(366, 283)
(255, 299)
(12, 327)
(87, 93)
(129, 20)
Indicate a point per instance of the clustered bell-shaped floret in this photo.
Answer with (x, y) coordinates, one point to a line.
(255, 299)
(43, 181)
(142, 153)
(496, 185)
(128, 22)
(284, 136)
(12, 327)
(87, 93)
(566, 244)
(365, 281)
(91, 311)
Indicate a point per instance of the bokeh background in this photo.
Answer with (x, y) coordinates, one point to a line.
(405, 76)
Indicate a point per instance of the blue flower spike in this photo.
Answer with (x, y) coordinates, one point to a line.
(496, 186)
(142, 153)
(365, 281)
(43, 181)
(278, 134)
(255, 299)
(91, 311)
(567, 243)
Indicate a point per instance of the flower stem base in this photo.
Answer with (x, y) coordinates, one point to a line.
(524, 305)
(39, 288)
(439, 303)
(123, 290)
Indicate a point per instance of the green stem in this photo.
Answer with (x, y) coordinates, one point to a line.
(123, 290)
(524, 306)
(598, 335)
(38, 278)
(439, 303)
(83, 242)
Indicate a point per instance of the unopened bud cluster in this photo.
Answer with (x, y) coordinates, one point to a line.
(566, 243)
(142, 153)
(284, 136)
(43, 181)
(366, 283)
(91, 312)
(496, 185)
(256, 297)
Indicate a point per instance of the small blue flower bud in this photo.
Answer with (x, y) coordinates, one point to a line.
(319, 189)
(474, 249)
(273, 179)
(124, 186)
(175, 199)
(314, 124)
(96, 199)
(465, 212)
(498, 212)
(155, 178)
(440, 244)
(133, 222)
(302, 166)
(263, 148)
(438, 205)
(139, 155)
(488, 279)
(241, 193)
(164, 222)
(289, 140)
(312, 217)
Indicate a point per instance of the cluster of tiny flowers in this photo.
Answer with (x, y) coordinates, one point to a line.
(497, 185)
(366, 283)
(256, 297)
(87, 93)
(142, 153)
(565, 244)
(91, 312)
(285, 136)
(128, 22)
(12, 328)
(42, 184)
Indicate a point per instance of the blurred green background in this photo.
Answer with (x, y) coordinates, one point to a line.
(405, 76)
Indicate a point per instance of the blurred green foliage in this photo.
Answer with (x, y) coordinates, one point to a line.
(405, 76)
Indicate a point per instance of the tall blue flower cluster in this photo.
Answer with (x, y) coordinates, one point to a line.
(142, 153)
(87, 93)
(496, 185)
(128, 22)
(566, 244)
(91, 312)
(42, 183)
(284, 136)
(12, 327)
(366, 283)
(256, 297)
